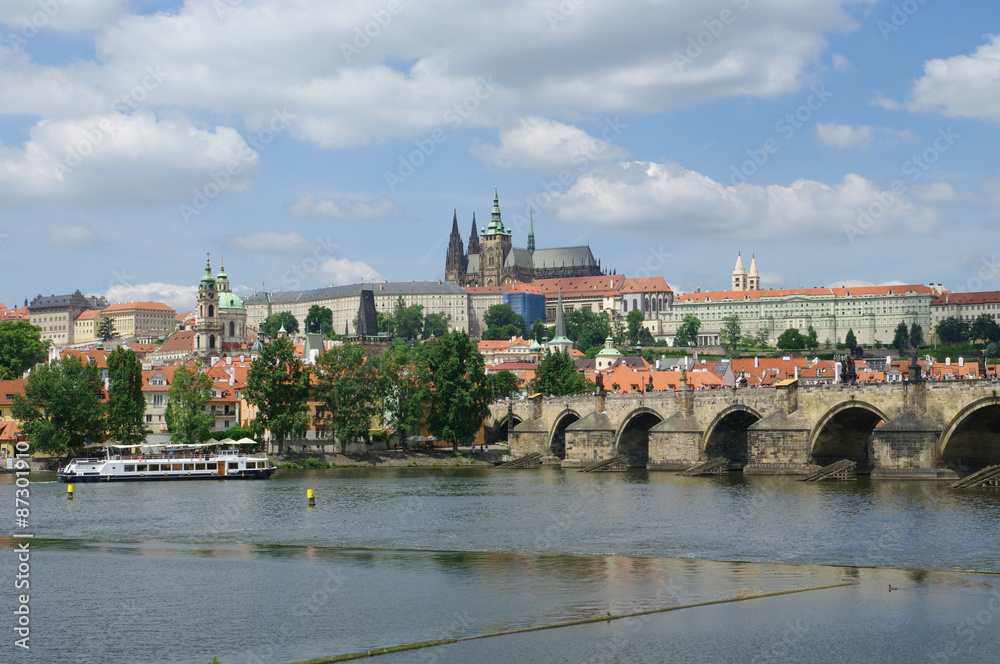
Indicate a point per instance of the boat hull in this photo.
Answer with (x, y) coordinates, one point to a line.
(78, 478)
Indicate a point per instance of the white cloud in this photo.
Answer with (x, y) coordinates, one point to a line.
(550, 145)
(271, 241)
(671, 199)
(180, 298)
(860, 283)
(844, 137)
(345, 208)
(963, 85)
(25, 17)
(123, 158)
(71, 235)
(338, 271)
(934, 192)
(840, 63)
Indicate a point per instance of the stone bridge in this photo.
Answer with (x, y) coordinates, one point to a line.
(921, 430)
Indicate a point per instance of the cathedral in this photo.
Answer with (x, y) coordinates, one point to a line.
(743, 280)
(492, 259)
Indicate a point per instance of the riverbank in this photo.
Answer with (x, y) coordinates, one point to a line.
(390, 459)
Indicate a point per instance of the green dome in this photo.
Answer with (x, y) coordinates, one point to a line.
(534, 347)
(230, 301)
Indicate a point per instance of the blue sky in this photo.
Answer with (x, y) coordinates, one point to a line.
(317, 143)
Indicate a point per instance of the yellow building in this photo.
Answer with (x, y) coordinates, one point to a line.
(132, 318)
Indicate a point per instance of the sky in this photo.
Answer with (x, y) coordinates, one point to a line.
(321, 143)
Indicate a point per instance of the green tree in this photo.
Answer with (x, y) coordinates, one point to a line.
(126, 407)
(617, 331)
(791, 339)
(916, 335)
(687, 331)
(347, 385)
(502, 322)
(458, 395)
(588, 329)
(61, 408)
(634, 322)
(273, 323)
(503, 385)
(952, 331)
(407, 321)
(557, 375)
(21, 347)
(646, 338)
(319, 320)
(985, 328)
(187, 399)
(435, 325)
(850, 341)
(812, 339)
(901, 338)
(731, 332)
(278, 385)
(403, 375)
(106, 329)
(538, 330)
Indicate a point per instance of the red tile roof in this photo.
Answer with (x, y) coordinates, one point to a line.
(717, 296)
(140, 306)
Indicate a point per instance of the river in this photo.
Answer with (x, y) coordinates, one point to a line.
(245, 571)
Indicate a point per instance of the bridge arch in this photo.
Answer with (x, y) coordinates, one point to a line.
(632, 437)
(726, 436)
(844, 432)
(557, 436)
(972, 439)
(498, 432)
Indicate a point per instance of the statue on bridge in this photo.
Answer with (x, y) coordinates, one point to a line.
(848, 374)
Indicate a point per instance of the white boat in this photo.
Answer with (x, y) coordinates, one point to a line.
(167, 462)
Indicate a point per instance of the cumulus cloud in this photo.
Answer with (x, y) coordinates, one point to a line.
(860, 283)
(179, 297)
(344, 271)
(841, 63)
(844, 137)
(71, 235)
(669, 198)
(345, 208)
(271, 241)
(25, 17)
(123, 159)
(550, 145)
(963, 85)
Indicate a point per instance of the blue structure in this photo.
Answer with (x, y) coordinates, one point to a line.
(530, 305)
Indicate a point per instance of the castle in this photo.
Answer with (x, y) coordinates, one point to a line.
(492, 260)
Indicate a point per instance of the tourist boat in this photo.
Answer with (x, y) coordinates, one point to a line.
(168, 462)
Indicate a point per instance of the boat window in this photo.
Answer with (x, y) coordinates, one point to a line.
(199, 466)
(233, 465)
(178, 466)
(189, 466)
(130, 468)
(154, 467)
(140, 468)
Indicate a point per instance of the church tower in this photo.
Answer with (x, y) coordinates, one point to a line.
(739, 275)
(753, 277)
(207, 324)
(455, 263)
(495, 245)
(474, 237)
(531, 231)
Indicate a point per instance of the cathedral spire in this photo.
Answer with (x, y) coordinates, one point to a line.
(531, 231)
(454, 223)
(474, 237)
(560, 317)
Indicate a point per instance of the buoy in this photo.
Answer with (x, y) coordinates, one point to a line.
(70, 488)
(311, 493)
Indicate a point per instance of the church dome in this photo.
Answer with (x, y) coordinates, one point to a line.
(229, 300)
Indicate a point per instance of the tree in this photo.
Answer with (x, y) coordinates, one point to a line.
(588, 329)
(791, 339)
(901, 338)
(503, 385)
(634, 322)
(458, 395)
(985, 328)
(278, 385)
(187, 400)
(407, 321)
(61, 408)
(403, 374)
(435, 325)
(730, 334)
(319, 320)
(106, 329)
(687, 331)
(812, 339)
(916, 335)
(273, 324)
(348, 387)
(557, 375)
(850, 341)
(502, 322)
(538, 330)
(21, 347)
(952, 331)
(618, 330)
(646, 338)
(126, 407)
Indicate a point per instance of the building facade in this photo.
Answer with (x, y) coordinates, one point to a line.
(57, 314)
(134, 318)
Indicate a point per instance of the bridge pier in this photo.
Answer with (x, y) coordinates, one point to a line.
(905, 447)
(779, 445)
(589, 439)
(675, 443)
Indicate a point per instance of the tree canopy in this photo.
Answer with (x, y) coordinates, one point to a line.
(502, 384)
(557, 375)
(319, 320)
(952, 331)
(587, 329)
(187, 400)
(634, 321)
(273, 324)
(435, 325)
(126, 407)
(502, 322)
(458, 394)
(731, 332)
(21, 347)
(347, 385)
(901, 338)
(687, 331)
(916, 335)
(106, 329)
(278, 386)
(61, 408)
(850, 341)
(407, 321)
(403, 374)
(791, 339)
(985, 329)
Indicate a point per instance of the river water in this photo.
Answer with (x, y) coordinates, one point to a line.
(247, 572)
